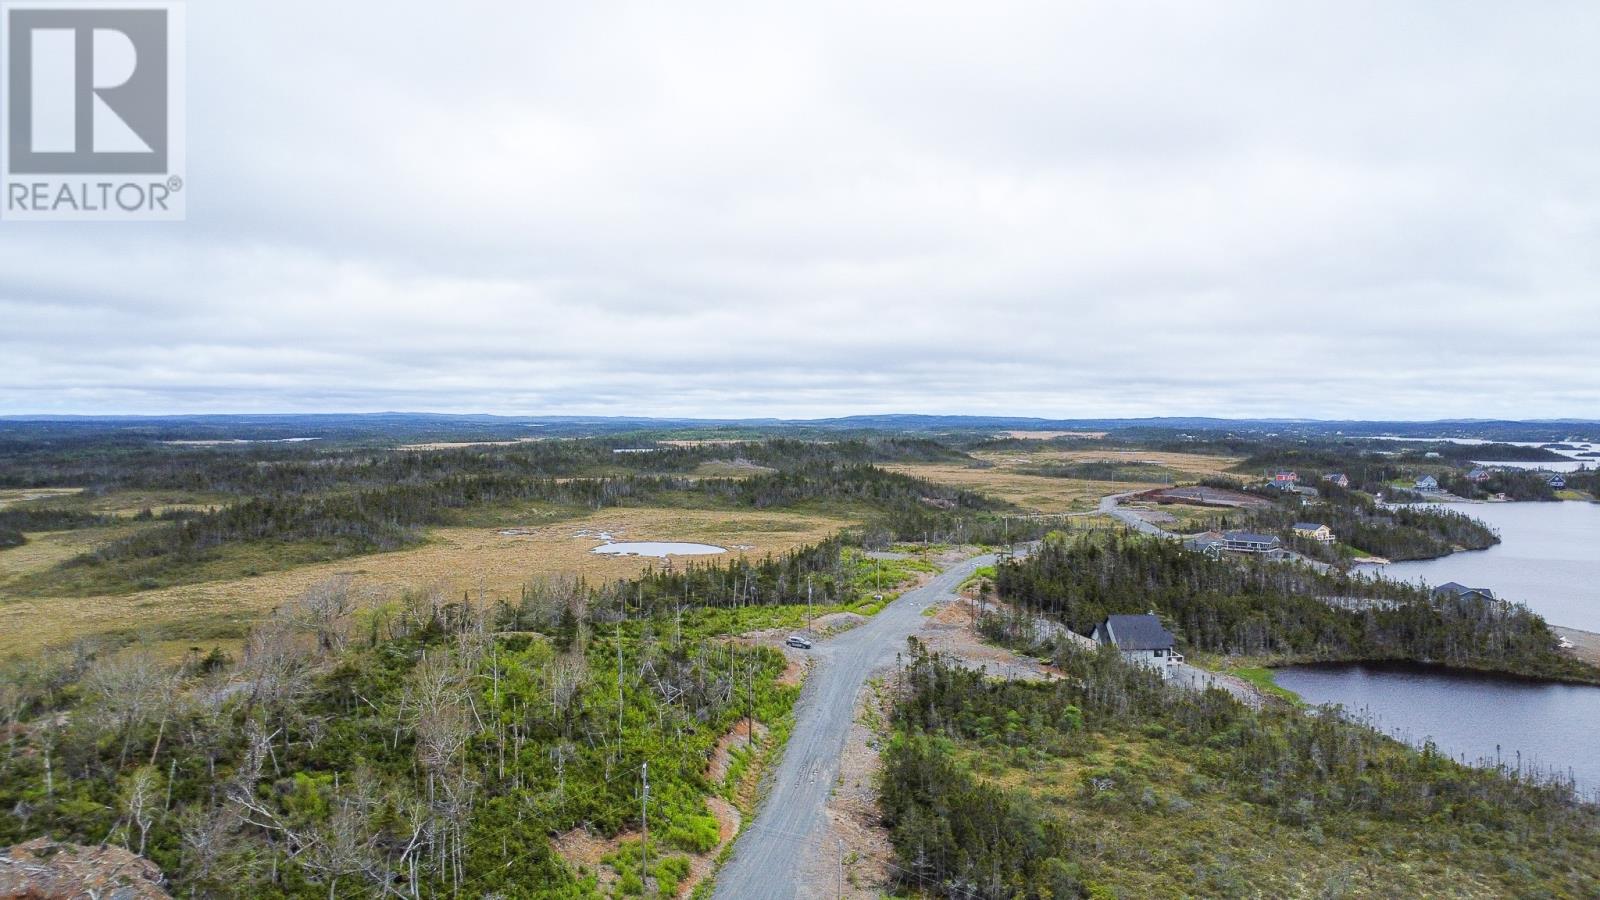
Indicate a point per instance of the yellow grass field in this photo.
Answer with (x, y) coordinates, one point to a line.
(1047, 435)
(457, 445)
(125, 503)
(9, 496)
(1188, 465)
(1034, 493)
(1045, 494)
(455, 559)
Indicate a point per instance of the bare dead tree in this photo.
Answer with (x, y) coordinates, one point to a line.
(324, 610)
(141, 800)
(125, 690)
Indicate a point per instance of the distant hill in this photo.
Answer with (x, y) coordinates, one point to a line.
(439, 426)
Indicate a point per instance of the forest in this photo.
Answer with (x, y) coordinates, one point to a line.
(1254, 608)
(421, 746)
(14, 522)
(1109, 782)
(329, 507)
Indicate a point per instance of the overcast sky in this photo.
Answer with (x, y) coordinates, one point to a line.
(1386, 210)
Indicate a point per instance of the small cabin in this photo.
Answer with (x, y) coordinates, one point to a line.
(1140, 639)
(1558, 482)
(1478, 475)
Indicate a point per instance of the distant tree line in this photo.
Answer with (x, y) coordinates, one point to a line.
(351, 522)
(16, 520)
(1105, 470)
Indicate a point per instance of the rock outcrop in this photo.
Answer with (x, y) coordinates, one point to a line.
(42, 869)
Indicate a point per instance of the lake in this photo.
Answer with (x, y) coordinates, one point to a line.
(1574, 460)
(1471, 717)
(661, 549)
(1548, 558)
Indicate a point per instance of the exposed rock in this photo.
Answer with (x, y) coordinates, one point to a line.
(42, 869)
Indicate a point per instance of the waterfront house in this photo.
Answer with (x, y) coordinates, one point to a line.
(1140, 639)
(1427, 483)
(1458, 591)
(1322, 534)
(1478, 475)
(1558, 482)
(1250, 542)
(1338, 478)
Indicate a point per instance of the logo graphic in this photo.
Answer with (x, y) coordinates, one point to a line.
(93, 110)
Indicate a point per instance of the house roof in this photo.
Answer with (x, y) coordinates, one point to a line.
(1142, 632)
(1308, 526)
(1250, 537)
(1457, 589)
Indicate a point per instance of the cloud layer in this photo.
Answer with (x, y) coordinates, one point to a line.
(1347, 210)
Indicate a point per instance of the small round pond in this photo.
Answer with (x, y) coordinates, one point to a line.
(661, 549)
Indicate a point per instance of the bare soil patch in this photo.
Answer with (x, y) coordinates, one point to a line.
(1205, 496)
(722, 754)
(857, 842)
(1585, 644)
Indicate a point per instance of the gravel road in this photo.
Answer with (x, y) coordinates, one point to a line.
(791, 820)
(1108, 506)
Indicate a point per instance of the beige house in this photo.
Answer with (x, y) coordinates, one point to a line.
(1319, 533)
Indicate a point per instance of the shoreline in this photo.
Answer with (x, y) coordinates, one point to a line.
(1585, 644)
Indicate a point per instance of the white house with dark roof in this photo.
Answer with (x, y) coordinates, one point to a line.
(1427, 483)
(1141, 639)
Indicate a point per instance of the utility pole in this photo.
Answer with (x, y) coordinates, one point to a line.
(808, 599)
(644, 817)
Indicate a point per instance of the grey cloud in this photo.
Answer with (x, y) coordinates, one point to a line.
(1234, 209)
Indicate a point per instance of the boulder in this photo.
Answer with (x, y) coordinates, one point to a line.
(42, 869)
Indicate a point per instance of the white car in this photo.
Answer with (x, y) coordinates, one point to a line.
(799, 642)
